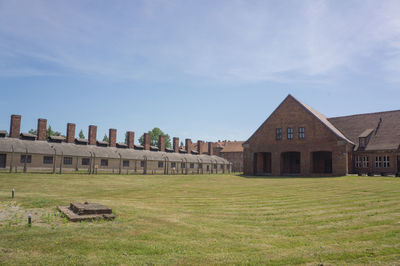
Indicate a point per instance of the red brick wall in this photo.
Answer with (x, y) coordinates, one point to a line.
(70, 133)
(41, 129)
(131, 139)
(92, 135)
(161, 143)
(112, 137)
(15, 126)
(236, 158)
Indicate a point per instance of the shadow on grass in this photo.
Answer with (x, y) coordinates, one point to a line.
(283, 177)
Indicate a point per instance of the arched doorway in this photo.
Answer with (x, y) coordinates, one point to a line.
(290, 163)
(322, 162)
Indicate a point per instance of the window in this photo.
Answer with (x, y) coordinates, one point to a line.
(278, 133)
(104, 162)
(85, 161)
(160, 164)
(302, 133)
(191, 165)
(222, 167)
(200, 166)
(378, 162)
(28, 158)
(208, 167)
(125, 163)
(47, 159)
(67, 160)
(173, 165)
(183, 165)
(386, 163)
(215, 166)
(141, 163)
(365, 162)
(290, 133)
(358, 162)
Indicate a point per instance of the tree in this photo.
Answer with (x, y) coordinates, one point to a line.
(81, 135)
(49, 132)
(154, 135)
(105, 138)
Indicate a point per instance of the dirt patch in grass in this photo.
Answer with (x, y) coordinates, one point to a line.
(12, 214)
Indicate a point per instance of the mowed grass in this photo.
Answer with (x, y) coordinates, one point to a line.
(205, 219)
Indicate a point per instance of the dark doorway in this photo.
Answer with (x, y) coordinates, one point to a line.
(322, 162)
(3, 158)
(398, 164)
(290, 163)
(262, 163)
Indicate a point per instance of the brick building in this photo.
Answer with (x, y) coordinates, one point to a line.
(229, 150)
(297, 140)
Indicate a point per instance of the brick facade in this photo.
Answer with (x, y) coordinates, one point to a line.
(265, 154)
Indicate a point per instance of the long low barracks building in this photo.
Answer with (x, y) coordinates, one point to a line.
(298, 140)
(24, 152)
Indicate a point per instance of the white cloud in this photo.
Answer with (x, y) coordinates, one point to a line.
(233, 41)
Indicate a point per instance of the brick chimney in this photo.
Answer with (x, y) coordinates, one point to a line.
(161, 143)
(175, 144)
(92, 135)
(41, 129)
(188, 145)
(210, 148)
(146, 140)
(70, 133)
(200, 147)
(15, 126)
(130, 139)
(112, 137)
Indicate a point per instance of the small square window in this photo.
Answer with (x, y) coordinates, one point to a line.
(302, 133)
(141, 163)
(67, 160)
(173, 165)
(85, 161)
(160, 164)
(200, 166)
(47, 159)
(125, 163)
(183, 165)
(215, 166)
(386, 163)
(279, 133)
(104, 162)
(27, 157)
(191, 165)
(290, 133)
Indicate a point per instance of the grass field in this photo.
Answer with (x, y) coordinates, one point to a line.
(202, 219)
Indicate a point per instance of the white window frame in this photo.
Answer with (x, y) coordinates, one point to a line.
(378, 162)
(365, 162)
(386, 161)
(358, 162)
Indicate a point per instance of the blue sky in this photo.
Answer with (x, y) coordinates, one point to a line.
(200, 69)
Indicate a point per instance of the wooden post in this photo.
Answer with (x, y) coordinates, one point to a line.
(61, 162)
(26, 159)
(12, 158)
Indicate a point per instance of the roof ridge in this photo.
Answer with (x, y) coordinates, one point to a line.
(373, 113)
(324, 120)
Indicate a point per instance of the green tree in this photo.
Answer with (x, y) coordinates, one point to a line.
(105, 138)
(81, 135)
(32, 131)
(154, 134)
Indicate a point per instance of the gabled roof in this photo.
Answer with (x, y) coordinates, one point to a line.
(316, 114)
(323, 120)
(385, 125)
(233, 146)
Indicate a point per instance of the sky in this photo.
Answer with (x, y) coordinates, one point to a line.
(205, 70)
